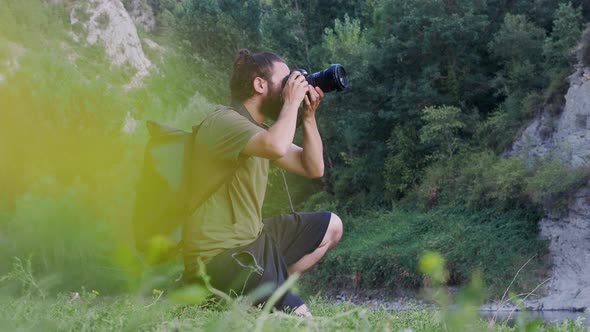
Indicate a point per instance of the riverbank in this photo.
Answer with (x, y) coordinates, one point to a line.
(509, 314)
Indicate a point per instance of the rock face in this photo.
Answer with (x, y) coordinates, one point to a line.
(107, 23)
(570, 254)
(568, 138)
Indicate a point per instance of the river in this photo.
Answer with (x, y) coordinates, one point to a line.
(382, 299)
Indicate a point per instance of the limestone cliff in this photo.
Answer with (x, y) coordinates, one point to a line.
(566, 136)
(107, 23)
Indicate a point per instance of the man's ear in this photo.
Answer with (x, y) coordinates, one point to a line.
(259, 84)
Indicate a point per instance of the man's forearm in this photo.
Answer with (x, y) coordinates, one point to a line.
(313, 149)
(283, 130)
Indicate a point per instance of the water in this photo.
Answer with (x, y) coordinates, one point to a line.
(549, 317)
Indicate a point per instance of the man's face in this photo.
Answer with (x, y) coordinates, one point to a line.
(272, 102)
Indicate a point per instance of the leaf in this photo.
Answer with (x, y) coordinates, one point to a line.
(193, 294)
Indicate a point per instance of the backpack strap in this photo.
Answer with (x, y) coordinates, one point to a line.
(241, 109)
(240, 163)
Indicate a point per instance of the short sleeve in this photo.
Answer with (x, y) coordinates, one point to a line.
(226, 133)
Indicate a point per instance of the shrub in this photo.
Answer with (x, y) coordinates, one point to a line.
(442, 125)
(485, 180)
(496, 131)
(403, 164)
(320, 201)
(554, 182)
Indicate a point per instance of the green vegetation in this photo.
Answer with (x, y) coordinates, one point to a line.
(68, 169)
(89, 310)
(98, 313)
(382, 250)
(413, 152)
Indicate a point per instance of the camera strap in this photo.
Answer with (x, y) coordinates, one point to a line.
(287, 190)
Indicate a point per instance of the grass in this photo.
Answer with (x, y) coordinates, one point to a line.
(84, 309)
(381, 250)
(94, 312)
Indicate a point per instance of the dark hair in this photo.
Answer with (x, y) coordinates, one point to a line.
(248, 66)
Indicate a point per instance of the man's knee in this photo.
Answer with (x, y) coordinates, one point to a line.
(335, 229)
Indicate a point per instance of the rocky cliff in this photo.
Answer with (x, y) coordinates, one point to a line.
(566, 136)
(107, 23)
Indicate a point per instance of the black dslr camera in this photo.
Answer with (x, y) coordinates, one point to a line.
(334, 78)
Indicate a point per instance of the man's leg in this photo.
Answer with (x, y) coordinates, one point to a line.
(331, 238)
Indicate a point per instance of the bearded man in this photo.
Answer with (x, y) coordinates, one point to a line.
(240, 249)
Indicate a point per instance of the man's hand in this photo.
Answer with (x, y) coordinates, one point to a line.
(303, 311)
(309, 160)
(295, 89)
(275, 142)
(312, 100)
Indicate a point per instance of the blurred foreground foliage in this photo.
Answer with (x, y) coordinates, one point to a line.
(71, 148)
(165, 310)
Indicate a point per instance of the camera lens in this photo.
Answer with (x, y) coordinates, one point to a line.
(330, 79)
(334, 78)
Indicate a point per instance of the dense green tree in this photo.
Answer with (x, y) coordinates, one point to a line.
(284, 30)
(567, 29)
(517, 40)
(295, 28)
(417, 54)
(518, 48)
(216, 29)
(441, 128)
(428, 55)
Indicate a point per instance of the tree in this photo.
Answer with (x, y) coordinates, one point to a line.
(518, 48)
(567, 29)
(518, 40)
(441, 128)
(404, 162)
(216, 29)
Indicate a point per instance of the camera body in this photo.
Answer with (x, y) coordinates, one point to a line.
(333, 78)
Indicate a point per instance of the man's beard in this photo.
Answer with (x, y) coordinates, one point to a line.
(272, 104)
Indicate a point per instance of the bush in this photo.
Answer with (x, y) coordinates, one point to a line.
(485, 180)
(496, 131)
(403, 164)
(554, 182)
(321, 201)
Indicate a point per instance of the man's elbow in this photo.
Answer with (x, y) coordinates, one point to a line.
(276, 151)
(316, 173)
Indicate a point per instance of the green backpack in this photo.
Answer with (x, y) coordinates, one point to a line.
(177, 176)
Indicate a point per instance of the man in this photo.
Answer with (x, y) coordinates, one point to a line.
(241, 251)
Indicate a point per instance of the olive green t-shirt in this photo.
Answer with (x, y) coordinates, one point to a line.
(232, 216)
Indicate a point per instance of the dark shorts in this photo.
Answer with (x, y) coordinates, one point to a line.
(285, 239)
